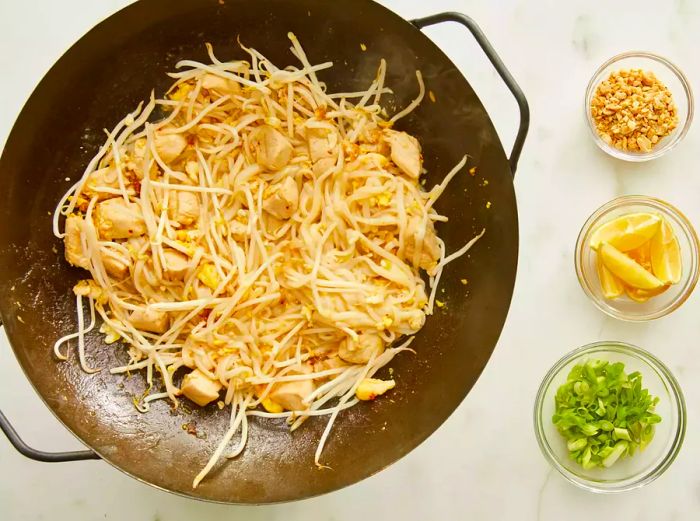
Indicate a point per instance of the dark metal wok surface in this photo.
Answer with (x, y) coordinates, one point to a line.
(107, 73)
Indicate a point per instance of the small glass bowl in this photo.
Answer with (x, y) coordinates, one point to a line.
(630, 472)
(670, 75)
(623, 307)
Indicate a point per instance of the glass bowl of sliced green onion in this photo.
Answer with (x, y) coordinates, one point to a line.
(610, 417)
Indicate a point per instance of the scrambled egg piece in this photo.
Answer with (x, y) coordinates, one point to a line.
(370, 388)
(208, 275)
(271, 406)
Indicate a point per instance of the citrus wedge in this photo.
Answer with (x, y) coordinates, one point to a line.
(642, 256)
(611, 285)
(627, 232)
(626, 269)
(666, 255)
(642, 295)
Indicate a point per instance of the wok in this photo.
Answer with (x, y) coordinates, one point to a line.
(108, 72)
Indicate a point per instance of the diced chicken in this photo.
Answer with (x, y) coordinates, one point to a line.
(184, 207)
(117, 219)
(107, 177)
(220, 85)
(370, 388)
(272, 223)
(361, 350)
(323, 143)
(430, 250)
(405, 152)
(272, 149)
(238, 230)
(284, 202)
(176, 264)
(115, 264)
(149, 320)
(290, 394)
(72, 244)
(199, 388)
(170, 146)
(322, 166)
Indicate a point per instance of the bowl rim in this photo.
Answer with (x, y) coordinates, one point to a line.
(619, 202)
(674, 390)
(663, 149)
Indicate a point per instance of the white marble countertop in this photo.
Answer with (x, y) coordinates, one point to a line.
(484, 463)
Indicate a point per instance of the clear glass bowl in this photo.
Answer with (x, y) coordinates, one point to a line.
(623, 307)
(670, 75)
(630, 472)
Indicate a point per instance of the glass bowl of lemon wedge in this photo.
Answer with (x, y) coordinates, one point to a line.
(637, 258)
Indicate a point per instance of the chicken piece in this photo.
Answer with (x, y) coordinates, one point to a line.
(176, 264)
(72, 244)
(238, 230)
(184, 208)
(170, 146)
(370, 388)
(323, 143)
(149, 320)
(115, 264)
(199, 388)
(290, 395)
(284, 202)
(322, 166)
(272, 223)
(361, 350)
(272, 150)
(430, 251)
(117, 219)
(220, 85)
(405, 152)
(107, 177)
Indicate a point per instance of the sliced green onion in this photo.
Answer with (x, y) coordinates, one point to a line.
(604, 414)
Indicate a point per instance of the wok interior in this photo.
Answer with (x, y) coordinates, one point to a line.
(105, 75)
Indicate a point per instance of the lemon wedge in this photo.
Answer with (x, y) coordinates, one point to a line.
(627, 232)
(612, 286)
(642, 295)
(626, 269)
(665, 255)
(642, 256)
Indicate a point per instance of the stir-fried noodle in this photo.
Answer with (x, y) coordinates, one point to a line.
(266, 237)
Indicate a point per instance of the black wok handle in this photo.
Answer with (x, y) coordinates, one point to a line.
(500, 68)
(40, 455)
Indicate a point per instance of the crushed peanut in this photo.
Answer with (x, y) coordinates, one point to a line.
(633, 110)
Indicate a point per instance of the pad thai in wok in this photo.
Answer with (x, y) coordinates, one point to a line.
(259, 247)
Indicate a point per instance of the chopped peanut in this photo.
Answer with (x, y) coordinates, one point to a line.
(632, 110)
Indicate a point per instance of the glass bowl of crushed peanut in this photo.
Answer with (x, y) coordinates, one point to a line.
(638, 106)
